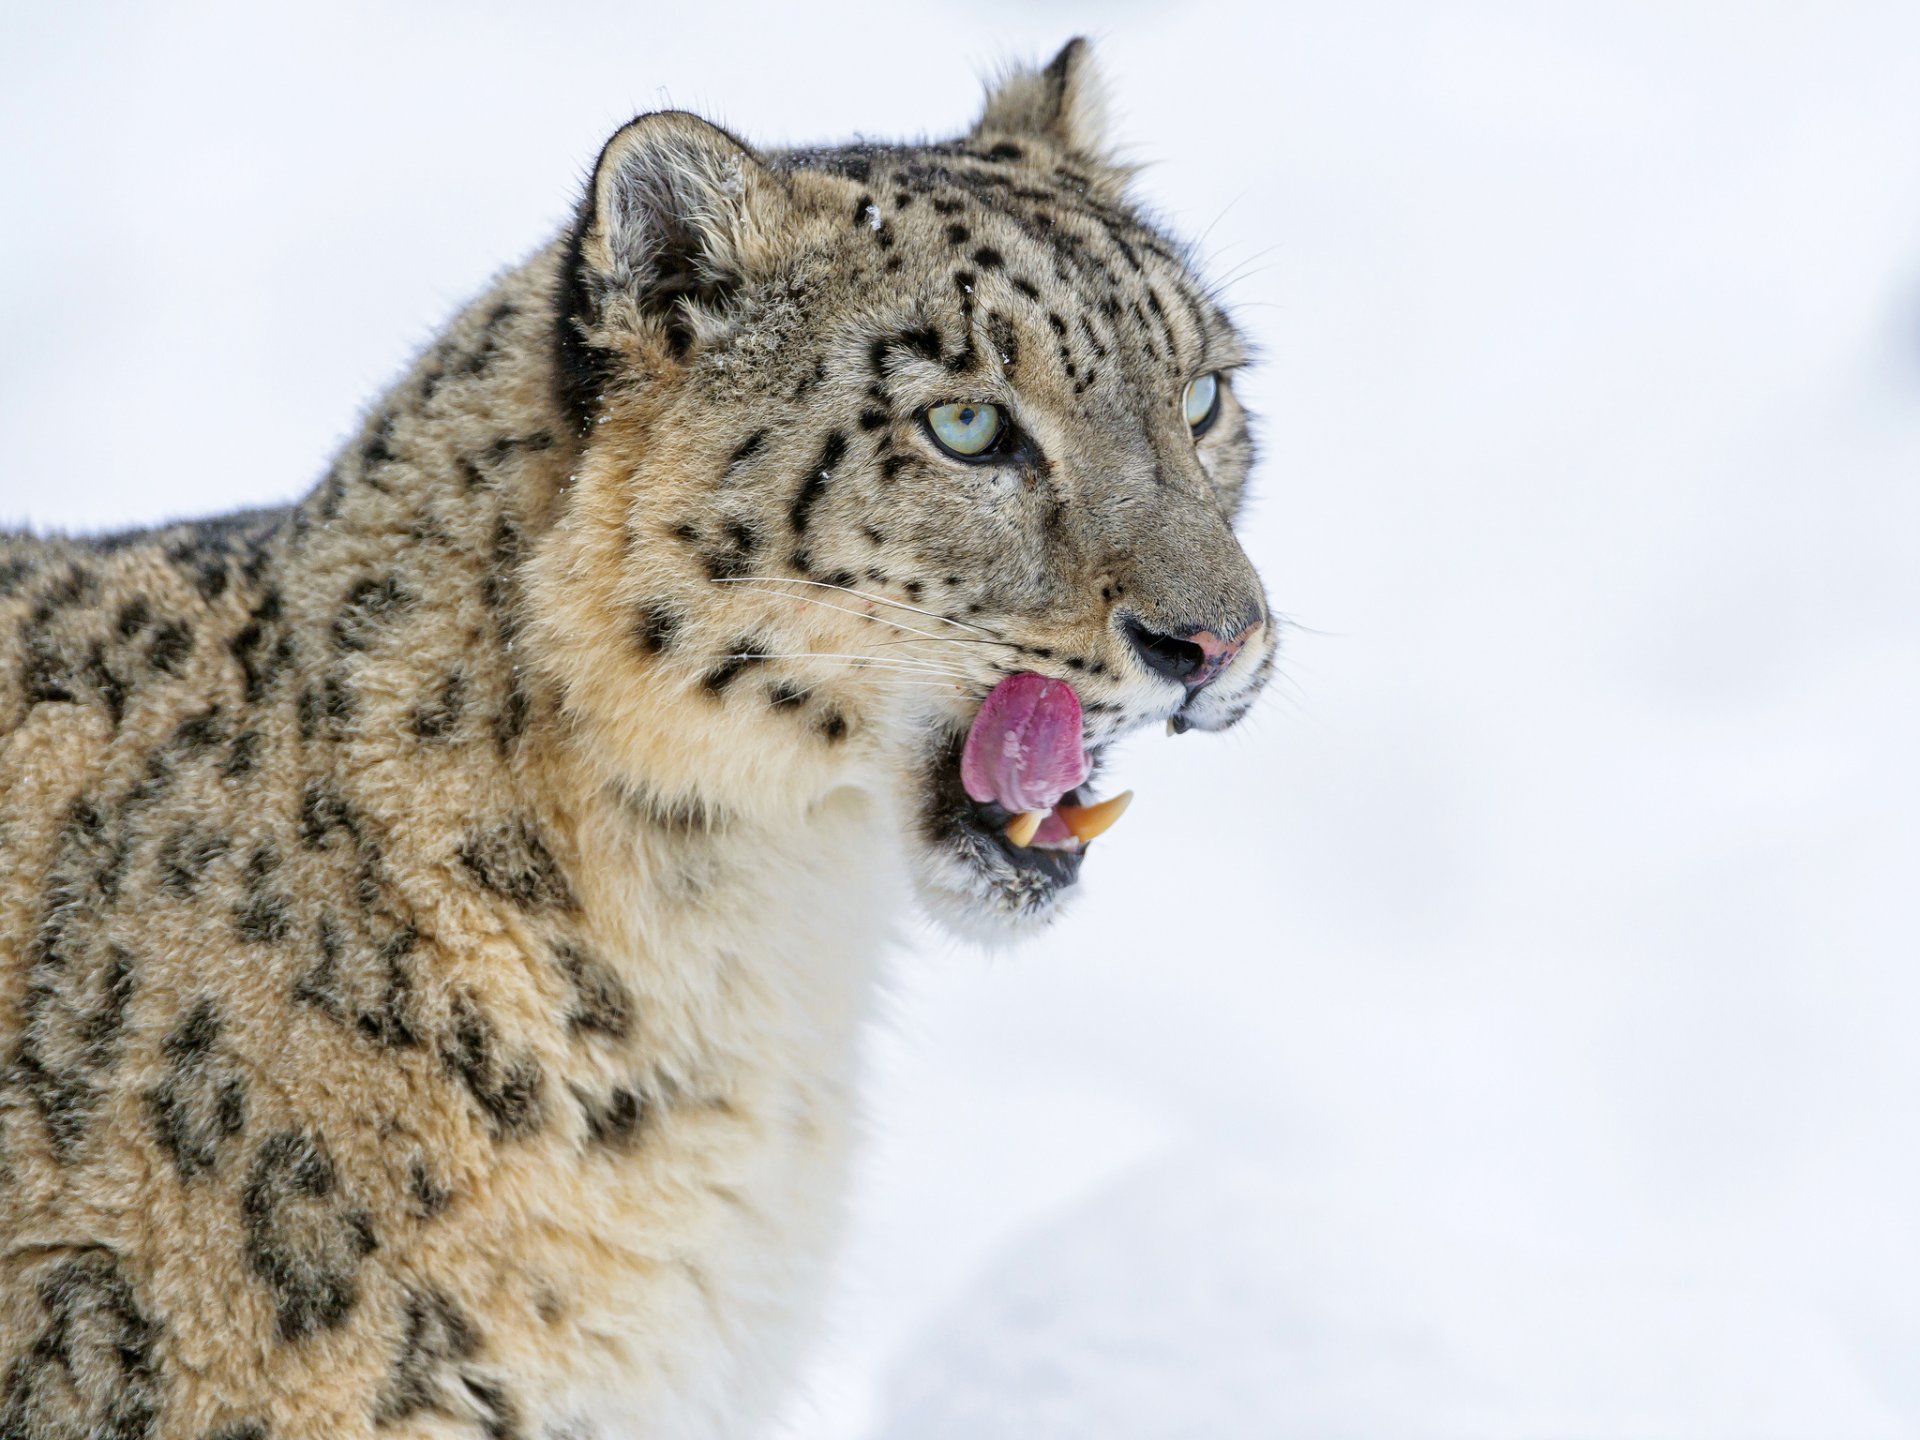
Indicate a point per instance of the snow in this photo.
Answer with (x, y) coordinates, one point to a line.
(1250, 1307)
(1510, 1029)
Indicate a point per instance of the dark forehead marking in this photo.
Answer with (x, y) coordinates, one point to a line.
(1128, 235)
(968, 355)
(1059, 328)
(1196, 319)
(1119, 222)
(920, 340)
(1145, 329)
(1005, 339)
(1159, 310)
(1097, 238)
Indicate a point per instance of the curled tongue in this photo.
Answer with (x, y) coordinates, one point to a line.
(1024, 750)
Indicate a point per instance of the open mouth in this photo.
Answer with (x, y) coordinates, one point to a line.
(1010, 796)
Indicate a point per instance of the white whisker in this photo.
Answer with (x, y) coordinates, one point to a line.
(858, 662)
(858, 615)
(862, 594)
(951, 640)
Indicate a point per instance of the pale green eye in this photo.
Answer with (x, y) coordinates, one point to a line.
(1202, 400)
(967, 430)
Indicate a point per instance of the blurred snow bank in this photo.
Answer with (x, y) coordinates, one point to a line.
(1202, 1297)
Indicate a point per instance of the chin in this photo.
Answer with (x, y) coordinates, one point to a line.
(970, 878)
(983, 908)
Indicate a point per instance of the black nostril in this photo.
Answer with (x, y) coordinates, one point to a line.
(1177, 660)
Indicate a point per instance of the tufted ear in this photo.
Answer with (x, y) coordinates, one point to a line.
(676, 215)
(1064, 104)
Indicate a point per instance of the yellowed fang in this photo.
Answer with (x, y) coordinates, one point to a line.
(1088, 821)
(1022, 828)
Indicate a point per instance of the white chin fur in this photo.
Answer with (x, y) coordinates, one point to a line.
(961, 900)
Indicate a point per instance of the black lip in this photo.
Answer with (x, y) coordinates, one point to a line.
(954, 818)
(1062, 867)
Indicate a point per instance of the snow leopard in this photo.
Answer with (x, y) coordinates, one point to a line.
(438, 917)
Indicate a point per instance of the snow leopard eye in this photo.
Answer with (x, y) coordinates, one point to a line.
(967, 430)
(1202, 402)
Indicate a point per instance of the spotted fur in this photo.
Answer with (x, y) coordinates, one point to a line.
(437, 916)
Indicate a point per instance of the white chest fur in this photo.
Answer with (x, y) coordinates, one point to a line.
(697, 1260)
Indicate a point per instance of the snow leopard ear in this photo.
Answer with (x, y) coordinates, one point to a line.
(677, 214)
(1064, 104)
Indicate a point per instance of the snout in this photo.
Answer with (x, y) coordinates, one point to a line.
(1194, 615)
(1195, 656)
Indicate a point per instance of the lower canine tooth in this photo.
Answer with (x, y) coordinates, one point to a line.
(1022, 828)
(1089, 821)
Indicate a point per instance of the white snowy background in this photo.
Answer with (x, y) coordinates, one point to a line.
(1511, 1030)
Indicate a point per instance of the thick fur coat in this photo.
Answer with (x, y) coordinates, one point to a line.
(436, 919)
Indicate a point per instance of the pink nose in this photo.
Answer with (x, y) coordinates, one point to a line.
(1217, 653)
(1187, 657)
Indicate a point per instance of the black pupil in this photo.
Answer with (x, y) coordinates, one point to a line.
(967, 413)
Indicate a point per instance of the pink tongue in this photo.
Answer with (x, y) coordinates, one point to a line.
(1024, 752)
